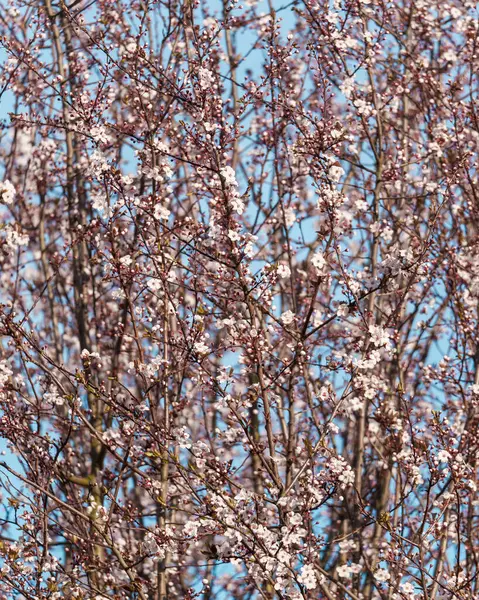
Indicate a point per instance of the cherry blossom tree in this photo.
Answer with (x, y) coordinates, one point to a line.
(239, 286)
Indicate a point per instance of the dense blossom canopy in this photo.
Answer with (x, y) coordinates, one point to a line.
(239, 287)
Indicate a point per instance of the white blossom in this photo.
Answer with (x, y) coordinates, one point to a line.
(287, 317)
(98, 164)
(206, 78)
(347, 87)
(161, 212)
(100, 134)
(379, 336)
(443, 456)
(53, 397)
(5, 372)
(283, 271)
(7, 191)
(381, 575)
(237, 204)
(318, 261)
(335, 172)
(307, 577)
(229, 176)
(289, 217)
(408, 590)
(190, 528)
(344, 571)
(201, 348)
(14, 238)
